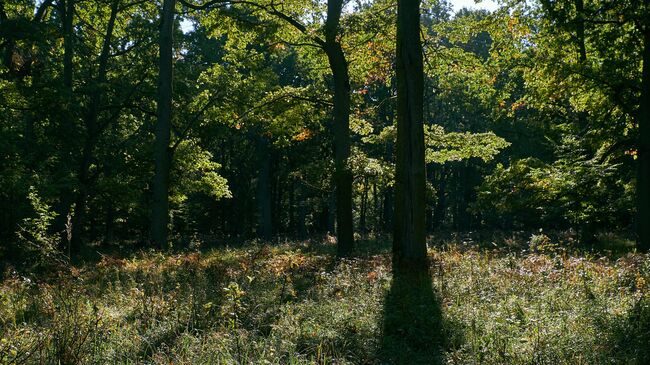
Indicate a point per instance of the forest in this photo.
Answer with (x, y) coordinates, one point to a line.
(324, 182)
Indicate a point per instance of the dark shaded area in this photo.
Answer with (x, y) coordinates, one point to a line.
(412, 330)
(628, 336)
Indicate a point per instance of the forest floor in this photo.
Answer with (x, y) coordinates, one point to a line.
(295, 303)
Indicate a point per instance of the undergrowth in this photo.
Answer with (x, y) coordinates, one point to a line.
(294, 303)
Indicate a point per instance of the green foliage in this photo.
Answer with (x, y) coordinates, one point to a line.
(36, 244)
(530, 192)
(443, 147)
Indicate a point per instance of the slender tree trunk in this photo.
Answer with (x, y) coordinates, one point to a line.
(376, 202)
(389, 205)
(388, 193)
(162, 153)
(364, 207)
(409, 240)
(643, 174)
(441, 202)
(93, 131)
(68, 39)
(580, 30)
(342, 173)
(301, 213)
(264, 225)
(109, 224)
(292, 210)
(331, 212)
(277, 192)
(9, 44)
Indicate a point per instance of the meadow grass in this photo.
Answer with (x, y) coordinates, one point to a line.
(295, 303)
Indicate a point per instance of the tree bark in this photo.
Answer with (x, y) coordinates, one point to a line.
(409, 240)
(643, 173)
(162, 153)
(341, 128)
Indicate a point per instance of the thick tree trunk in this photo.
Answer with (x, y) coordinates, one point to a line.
(162, 153)
(409, 240)
(643, 174)
(342, 172)
(264, 226)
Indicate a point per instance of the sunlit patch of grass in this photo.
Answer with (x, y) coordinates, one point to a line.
(294, 303)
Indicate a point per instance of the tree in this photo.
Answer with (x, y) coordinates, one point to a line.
(93, 131)
(620, 74)
(162, 152)
(643, 174)
(409, 240)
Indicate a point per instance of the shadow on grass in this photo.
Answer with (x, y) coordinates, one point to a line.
(628, 336)
(412, 330)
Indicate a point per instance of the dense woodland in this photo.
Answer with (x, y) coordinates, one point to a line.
(324, 181)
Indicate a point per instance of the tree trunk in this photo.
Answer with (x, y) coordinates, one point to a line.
(162, 153)
(441, 202)
(387, 213)
(109, 223)
(68, 39)
(376, 213)
(643, 173)
(409, 241)
(364, 207)
(342, 173)
(93, 131)
(331, 212)
(264, 225)
(292, 211)
(580, 30)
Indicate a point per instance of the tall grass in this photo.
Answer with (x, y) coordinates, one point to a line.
(293, 303)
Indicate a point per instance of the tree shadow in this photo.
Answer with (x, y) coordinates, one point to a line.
(412, 331)
(627, 336)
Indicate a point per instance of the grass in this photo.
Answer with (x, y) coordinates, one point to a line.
(293, 303)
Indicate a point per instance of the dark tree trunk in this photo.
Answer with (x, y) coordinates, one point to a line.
(275, 202)
(387, 213)
(162, 153)
(580, 30)
(68, 42)
(301, 220)
(264, 226)
(364, 207)
(643, 175)
(441, 201)
(93, 131)
(409, 241)
(376, 202)
(342, 173)
(292, 211)
(9, 44)
(331, 212)
(109, 224)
